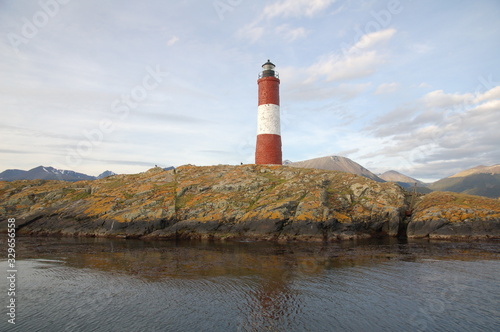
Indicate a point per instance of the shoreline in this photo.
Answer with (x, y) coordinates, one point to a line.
(273, 203)
(189, 235)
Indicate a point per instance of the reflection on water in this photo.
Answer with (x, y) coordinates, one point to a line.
(131, 285)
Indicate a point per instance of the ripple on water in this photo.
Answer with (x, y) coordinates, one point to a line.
(235, 289)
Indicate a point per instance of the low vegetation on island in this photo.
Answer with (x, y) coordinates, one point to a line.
(248, 201)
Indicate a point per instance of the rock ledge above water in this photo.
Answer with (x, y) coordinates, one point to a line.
(248, 201)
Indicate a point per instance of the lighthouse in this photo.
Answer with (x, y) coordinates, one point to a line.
(268, 147)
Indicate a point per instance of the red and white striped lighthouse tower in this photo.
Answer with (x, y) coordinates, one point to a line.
(268, 148)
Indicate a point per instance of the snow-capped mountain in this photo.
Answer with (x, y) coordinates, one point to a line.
(47, 173)
(105, 174)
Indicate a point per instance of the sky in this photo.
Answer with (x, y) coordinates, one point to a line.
(405, 85)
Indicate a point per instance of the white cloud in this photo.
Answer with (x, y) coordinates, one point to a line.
(337, 68)
(285, 8)
(251, 31)
(360, 61)
(291, 34)
(424, 85)
(436, 130)
(439, 99)
(320, 91)
(296, 8)
(491, 105)
(172, 40)
(370, 40)
(387, 88)
(326, 78)
(493, 93)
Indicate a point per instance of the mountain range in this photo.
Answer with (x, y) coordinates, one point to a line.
(49, 173)
(336, 163)
(394, 176)
(405, 181)
(480, 180)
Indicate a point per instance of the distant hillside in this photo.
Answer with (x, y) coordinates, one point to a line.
(480, 180)
(48, 173)
(481, 184)
(336, 163)
(405, 181)
(495, 169)
(394, 176)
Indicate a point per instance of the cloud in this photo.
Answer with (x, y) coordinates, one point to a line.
(387, 88)
(338, 68)
(370, 40)
(346, 153)
(440, 126)
(296, 8)
(291, 34)
(439, 99)
(327, 77)
(491, 105)
(285, 8)
(126, 162)
(493, 93)
(6, 151)
(357, 62)
(170, 117)
(342, 91)
(333, 67)
(254, 32)
(395, 120)
(172, 40)
(424, 85)
(251, 31)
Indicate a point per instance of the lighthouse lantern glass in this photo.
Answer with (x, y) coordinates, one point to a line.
(268, 66)
(268, 70)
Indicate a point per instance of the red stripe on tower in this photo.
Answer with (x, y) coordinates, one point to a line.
(268, 148)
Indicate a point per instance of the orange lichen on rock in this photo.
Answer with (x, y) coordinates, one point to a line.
(456, 207)
(236, 199)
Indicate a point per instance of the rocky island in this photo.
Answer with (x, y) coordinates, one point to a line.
(243, 202)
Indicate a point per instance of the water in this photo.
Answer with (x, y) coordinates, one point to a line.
(131, 285)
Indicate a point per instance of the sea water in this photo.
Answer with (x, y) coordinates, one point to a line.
(67, 284)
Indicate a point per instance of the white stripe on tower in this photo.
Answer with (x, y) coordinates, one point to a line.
(268, 119)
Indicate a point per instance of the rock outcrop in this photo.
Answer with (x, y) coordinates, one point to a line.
(220, 202)
(448, 215)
